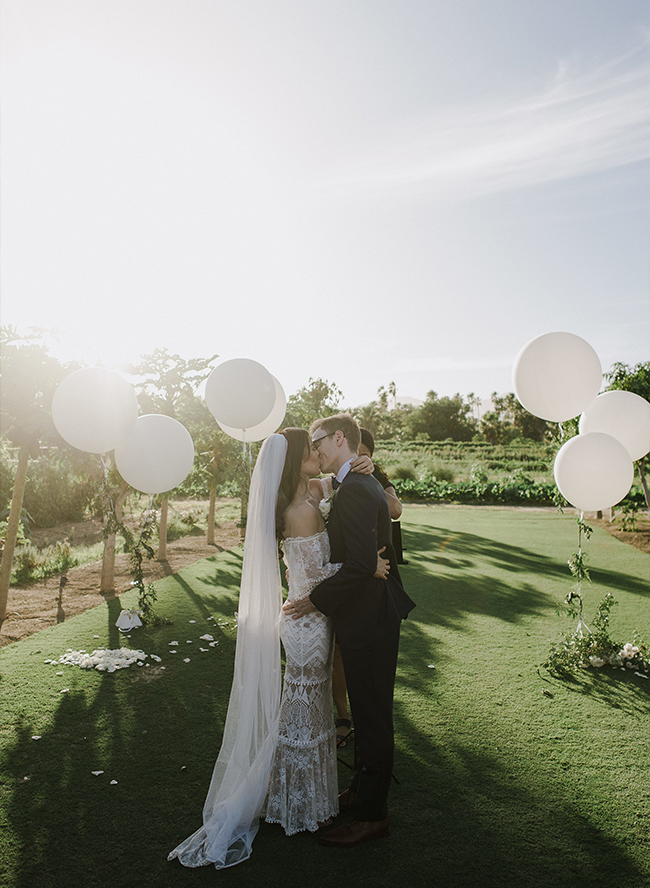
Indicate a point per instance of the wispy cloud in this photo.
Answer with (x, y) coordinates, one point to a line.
(578, 123)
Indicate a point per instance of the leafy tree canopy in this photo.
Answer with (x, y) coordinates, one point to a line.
(630, 379)
(318, 398)
(446, 417)
(29, 376)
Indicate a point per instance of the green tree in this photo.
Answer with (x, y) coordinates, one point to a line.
(509, 420)
(637, 380)
(318, 398)
(630, 379)
(441, 418)
(384, 417)
(29, 376)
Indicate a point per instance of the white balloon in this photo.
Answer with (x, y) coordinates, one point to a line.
(267, 426)
(94, 408)
(157, 456)
(593, 471)
(240, 393)
(623, 415)
(556, 376)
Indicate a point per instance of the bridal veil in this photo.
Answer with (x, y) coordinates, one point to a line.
(241, 774)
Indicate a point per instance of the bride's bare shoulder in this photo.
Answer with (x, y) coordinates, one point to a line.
(302, 519)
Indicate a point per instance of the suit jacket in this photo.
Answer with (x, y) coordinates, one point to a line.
(363, 608)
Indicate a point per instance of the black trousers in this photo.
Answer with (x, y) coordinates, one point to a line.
(370, 677)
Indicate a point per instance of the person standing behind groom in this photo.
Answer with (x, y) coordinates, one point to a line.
(366, 613)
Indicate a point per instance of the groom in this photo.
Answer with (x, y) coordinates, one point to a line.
(366, 613)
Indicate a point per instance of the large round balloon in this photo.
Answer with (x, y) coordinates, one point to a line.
(94, 408)
(623, 415)
(556, 376)
(240, 393)
(593, 471)
(157, 456)
(267, 426)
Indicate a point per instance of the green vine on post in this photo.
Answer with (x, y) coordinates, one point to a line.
(137, 551)
(578, 567)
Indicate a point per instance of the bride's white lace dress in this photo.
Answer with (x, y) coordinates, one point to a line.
(303, 789)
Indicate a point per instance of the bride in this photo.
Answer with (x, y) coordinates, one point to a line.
(282, 753)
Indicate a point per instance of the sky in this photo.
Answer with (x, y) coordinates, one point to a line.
(365, 191)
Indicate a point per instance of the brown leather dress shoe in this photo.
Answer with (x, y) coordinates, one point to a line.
(347, 800)
(355, 832)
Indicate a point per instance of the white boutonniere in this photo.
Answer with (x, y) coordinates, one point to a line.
(325, 506)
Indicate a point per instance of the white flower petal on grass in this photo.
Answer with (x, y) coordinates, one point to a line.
(192, 621)
(213, 643)
(188, 642)
(186, 660)
(173, 642)
(154, 657)
(641, 675)
(96, 773)
(431, 666)
(206, 637)
(36, 737)
(205, 650)
(64, 691)
(113, 782)
(58, 673)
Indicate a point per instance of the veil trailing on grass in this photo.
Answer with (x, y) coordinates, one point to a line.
(241, 774)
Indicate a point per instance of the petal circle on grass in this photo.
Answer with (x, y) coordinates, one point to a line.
(94, 409)
(157, 456)
(240, 393)
(556, 376)
(265, 428)
(593, 471)
(623, 415)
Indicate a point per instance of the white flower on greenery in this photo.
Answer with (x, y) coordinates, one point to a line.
(629, 651)
(325, 506)
(597, 661)
(206, 637)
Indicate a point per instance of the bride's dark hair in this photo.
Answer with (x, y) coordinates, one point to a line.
(298, 448)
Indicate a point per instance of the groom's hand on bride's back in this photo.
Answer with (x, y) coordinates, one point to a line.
(300, 608)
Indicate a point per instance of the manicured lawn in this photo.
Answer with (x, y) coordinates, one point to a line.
(507, 777)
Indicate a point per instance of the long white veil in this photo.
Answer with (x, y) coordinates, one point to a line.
(241, 774)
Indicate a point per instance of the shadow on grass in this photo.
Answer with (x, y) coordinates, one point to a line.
(460, 814)
(449, 587)
(620, 689)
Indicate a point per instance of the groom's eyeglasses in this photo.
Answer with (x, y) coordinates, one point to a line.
(315, 444)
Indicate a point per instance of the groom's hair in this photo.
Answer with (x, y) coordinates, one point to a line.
(341, 422)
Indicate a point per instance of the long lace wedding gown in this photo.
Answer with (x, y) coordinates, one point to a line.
(303, 789)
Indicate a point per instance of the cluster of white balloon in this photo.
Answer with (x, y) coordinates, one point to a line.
(557, 376)
(247, 402)
(96, 410)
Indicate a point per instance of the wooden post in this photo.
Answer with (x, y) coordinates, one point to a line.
(211, 510)
(644, 483)
(12, 529)
(107, 582)
(162, 533)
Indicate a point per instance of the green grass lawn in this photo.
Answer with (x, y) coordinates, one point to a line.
(507, 777)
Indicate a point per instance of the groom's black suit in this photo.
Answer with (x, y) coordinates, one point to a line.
(366, 612)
